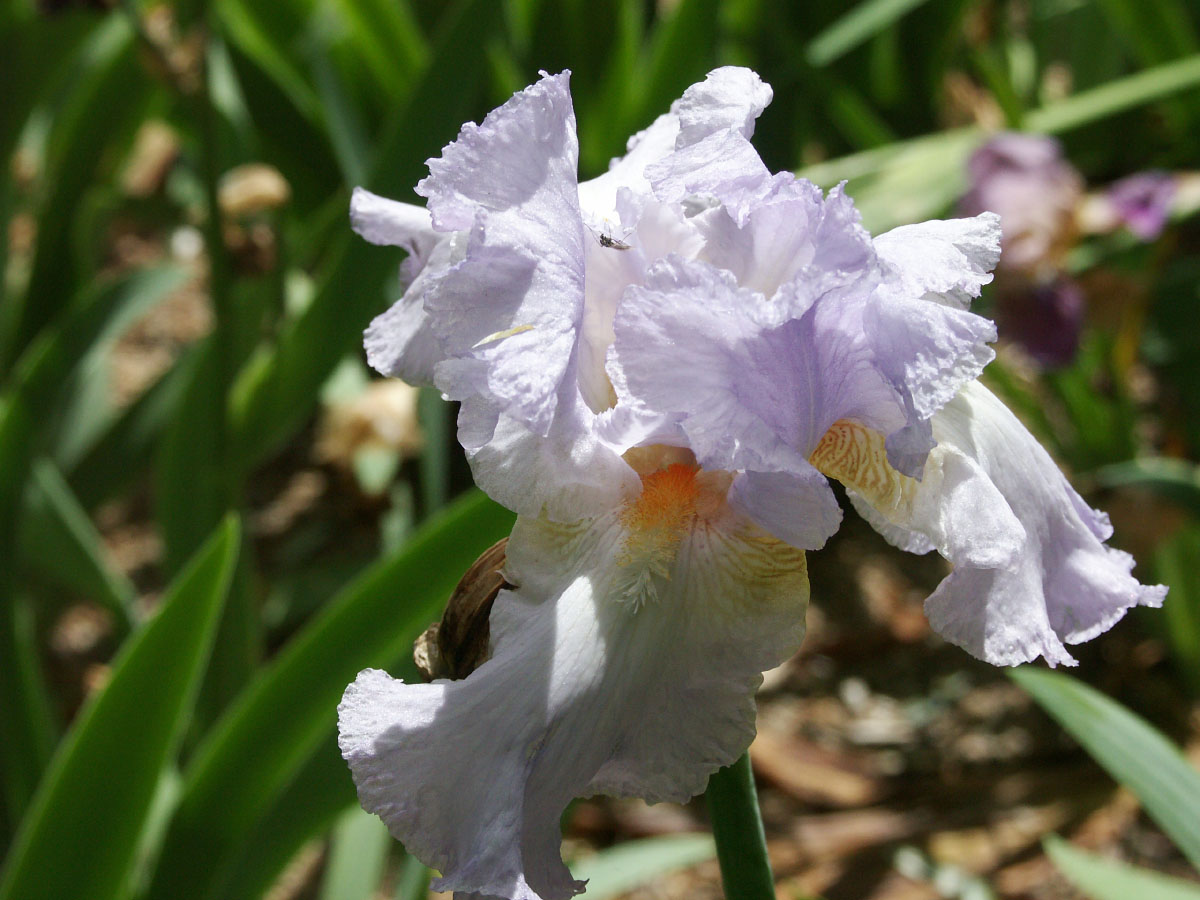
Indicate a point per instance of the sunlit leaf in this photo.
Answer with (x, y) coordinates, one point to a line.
(82, 831)
(1106, 879)
(269, 735)
(1133, 753)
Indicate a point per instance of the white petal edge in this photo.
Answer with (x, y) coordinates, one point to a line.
(586, 692)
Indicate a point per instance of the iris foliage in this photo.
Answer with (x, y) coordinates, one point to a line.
(204, 757)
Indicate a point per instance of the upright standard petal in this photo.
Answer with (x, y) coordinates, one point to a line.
(621, 627)
(508, 313)
(750, 393)
(1031, 571)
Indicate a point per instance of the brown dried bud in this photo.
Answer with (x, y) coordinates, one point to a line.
(458, 644)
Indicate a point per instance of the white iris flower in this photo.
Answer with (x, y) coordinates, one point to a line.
(658, 370)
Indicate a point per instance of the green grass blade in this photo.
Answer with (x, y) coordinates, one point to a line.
(64, 544)
(1178, 480)
(269, 735)
(1117, 96)
(1133, 753)
(856, 27)
(275, 397)
(109, 764)
(103, 111)
(358, 850)
(1107, 879)
(413, 881)
(28, 729)
(1177, 563)
(622, 868)
(314, 799)
(126, 446)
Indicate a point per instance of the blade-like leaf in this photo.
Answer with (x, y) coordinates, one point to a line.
(1106, 879)
(357, 852)
(103, 110)
(1177, 563)
(268, 736)
(1133, 753)
(83, 829)
(860, 24)
(619, 869)
(25, 717)
(276, 396)
(64, 543)
(918, 178)
(1176, 479)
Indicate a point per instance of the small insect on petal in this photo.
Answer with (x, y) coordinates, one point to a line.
(612, 243)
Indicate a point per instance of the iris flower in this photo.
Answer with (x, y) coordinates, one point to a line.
(659, 370)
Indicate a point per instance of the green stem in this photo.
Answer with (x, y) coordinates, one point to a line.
(738, 830)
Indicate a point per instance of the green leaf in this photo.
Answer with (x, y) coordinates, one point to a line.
(1175, 479)
(1106, 879)
(682, 50)
(1116, 96)
(82, 831)
(358, 850)
(916, 179)
(190, 478)
(313, 800)
(26, 729)
(413, 881)
(1177, 563)
(1133, 753)
(856, 27)
(103, 110)
(251, 756)
(619, 869)
(125, 447)
(64, 544)
(275, 397)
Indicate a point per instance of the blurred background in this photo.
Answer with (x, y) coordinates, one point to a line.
(212, 515)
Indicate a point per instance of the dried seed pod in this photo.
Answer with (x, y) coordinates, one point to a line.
(458, 644)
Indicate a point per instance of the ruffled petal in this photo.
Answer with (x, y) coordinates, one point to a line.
(601, 658)
(713, 155)
(947, 261)
(1031, 572)
(400, 342)
(749, 394)
(928, 351)
(391, 223)
(508, 313)
(797, 508)
(567, 473)
(793, 239)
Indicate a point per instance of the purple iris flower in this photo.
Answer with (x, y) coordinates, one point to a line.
(1025, 179)
(1143, 201)
(659, 370)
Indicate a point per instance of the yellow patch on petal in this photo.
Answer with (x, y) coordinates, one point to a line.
(501, 335)
(660, 516)
(856, 456)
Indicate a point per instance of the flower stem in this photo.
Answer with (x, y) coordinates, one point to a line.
(738, 830)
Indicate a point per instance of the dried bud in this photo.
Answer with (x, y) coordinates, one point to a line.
(458, 644)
